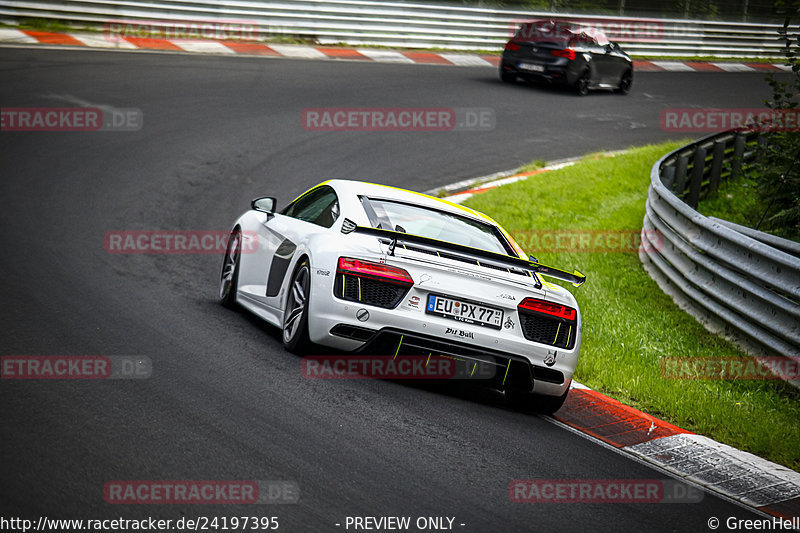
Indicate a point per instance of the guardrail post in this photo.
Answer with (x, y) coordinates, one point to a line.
(696, 181)
(716, 166)
(668, 176)
(680, 175)
(738, 156)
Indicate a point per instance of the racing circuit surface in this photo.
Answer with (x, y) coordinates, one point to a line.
(225, 401)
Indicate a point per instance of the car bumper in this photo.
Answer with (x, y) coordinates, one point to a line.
(502, 358)
(561, 74)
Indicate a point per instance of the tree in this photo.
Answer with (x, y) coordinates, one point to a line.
(776, 166)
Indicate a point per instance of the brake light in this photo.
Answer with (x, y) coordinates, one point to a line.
(548, 308)
(569, 54)
(512, 46)
(358, 267)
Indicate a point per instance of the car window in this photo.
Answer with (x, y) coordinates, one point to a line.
(435, 224)
(581, 40)
(594, 36)
(544, 32)
(561, 34)
(601, 38)
(319, 206)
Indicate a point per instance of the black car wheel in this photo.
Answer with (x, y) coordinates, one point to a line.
(295, 315)
(229, 277)
(625, 82)
(508, 77)
(582, 85)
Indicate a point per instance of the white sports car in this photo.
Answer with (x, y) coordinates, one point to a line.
(374, 269)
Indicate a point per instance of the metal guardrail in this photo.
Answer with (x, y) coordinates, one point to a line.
(401, 24)
(736, 281)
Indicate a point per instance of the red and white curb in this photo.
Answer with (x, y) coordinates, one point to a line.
(701, 66)
(740, 476)
(463, 190)
(737, 475)
(12, 36)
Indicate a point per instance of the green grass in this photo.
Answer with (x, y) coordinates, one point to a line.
(536, 164)
(46, 25)
(735, 200)
(629, 324)
(738, 200)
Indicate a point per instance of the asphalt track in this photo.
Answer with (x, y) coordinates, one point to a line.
(225, 401)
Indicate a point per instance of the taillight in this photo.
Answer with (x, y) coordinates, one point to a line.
(548, 308)
(358, 267)
(512, 46)
(569, 54)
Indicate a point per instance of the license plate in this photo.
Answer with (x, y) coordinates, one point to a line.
(468, 312)
(531, 67)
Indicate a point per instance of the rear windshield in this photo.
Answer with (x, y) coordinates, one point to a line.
(559, 34)
(546, 32)
(434, 224)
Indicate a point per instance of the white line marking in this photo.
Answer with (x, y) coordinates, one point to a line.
(384, 56)
(459, 197)
(9, 35)
(466, 61)
(205, 47)
(305, 52)
(80, 102)
(102, 41)
(673, 66)
(734, 67)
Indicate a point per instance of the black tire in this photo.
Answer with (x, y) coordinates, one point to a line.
(625, 82)
(295, 315)
(538, 403)
(229, 276)
(582, 85)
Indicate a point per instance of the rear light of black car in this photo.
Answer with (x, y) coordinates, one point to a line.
(371, 283)
(510, 45)
(548, 323)
(569, 54)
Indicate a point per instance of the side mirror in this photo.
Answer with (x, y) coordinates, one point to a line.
(265, 204)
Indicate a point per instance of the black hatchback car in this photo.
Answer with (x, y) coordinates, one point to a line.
(566, 53)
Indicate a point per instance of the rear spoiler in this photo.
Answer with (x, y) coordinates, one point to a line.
(492, 259)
